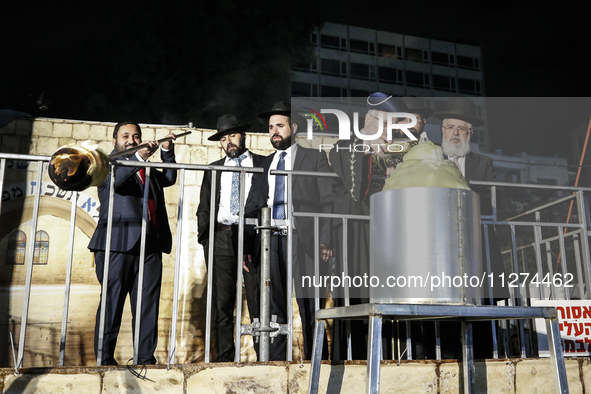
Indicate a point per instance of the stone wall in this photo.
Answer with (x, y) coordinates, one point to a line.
(492, 376)
(42, 136)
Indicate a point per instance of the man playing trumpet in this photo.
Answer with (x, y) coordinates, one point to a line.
(124, 257)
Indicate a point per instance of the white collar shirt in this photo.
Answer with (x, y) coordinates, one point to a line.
(289, 158)
(224, 214)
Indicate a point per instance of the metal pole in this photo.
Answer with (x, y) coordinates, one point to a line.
(239, 259)
(374, 351)
(290, 239)
(140, 279)
(584, 238)
(265, 302)
(468, 356)
(518, 300)
(210, 268)
(30, 252)
(563, 263)
(68, 278)
(316, 264)
(177, 269)
(345, 260)
(490, 292)
(104, 287)
(2, 170)
(550, 271)
(538, 237)
(580, 278)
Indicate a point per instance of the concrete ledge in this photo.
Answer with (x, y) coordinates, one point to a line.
(492, 376)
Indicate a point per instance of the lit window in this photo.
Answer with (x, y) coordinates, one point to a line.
(389, 51)
(15, 252)
(41, 248)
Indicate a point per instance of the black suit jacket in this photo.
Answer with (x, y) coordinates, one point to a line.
(310, 194)
(128, 207)
(204, 208)
(480, 168)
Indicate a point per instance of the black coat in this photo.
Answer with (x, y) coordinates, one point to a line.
(309, 194)
(128, 207)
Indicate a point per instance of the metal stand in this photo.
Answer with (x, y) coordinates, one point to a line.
(465, 313)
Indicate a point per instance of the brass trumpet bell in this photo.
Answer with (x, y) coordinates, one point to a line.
(76, 168)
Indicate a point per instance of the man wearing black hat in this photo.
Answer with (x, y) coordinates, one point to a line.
(457, 127)
(232, 137)
(309, 194)
(422, 112)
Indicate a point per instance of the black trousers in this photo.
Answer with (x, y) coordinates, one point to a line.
(123, 280)
(302, 265)
(224, 291)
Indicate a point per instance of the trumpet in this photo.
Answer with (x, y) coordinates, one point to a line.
(78, 167)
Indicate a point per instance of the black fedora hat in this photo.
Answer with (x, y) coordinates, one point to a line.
(281, 108)
(227, 124)
(460, 108)
(417, 106)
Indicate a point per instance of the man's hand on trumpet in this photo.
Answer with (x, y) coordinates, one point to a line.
(152, 147)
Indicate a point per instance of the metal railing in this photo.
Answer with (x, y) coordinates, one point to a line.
(577, 232)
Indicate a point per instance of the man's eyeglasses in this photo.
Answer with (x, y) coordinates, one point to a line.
(461, 129)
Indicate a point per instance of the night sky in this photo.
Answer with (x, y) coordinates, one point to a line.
(225, 56)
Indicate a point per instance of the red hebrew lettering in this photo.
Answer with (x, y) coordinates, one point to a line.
(587, 325)
(587, 312)
(569, 346)
(561, 309)
(568, 312)
(576, 312)
(569, 327)
(579, 328)
(581, 348)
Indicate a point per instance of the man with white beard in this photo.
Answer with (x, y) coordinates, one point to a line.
(456, 129)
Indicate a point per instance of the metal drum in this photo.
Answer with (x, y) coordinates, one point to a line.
(425, 246)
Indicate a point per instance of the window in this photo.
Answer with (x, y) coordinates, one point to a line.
(359, 46)
(308, 67)
(414, 78)
(390, 75)
(41, 248)
(441, 58)
(469, 86)
(389, 51)
(301, 89)
(468, 63)
(333, 67)
(332, 42)
(363, 71)
(546, 181)
(359, 93)
(15, 251)
(333, 91)
(416, 55)
(445, 83)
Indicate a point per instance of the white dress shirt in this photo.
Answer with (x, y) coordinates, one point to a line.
(289, 158)
(461, 161)
(224, 215)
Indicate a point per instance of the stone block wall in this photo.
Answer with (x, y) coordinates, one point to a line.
(43, 136)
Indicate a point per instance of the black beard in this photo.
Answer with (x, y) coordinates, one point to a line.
(232, 154)
(282, 144)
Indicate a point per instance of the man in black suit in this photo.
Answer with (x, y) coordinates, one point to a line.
(125, 243)
(232, 136)
(309, 194)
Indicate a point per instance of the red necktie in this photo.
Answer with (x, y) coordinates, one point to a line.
(151, 201)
